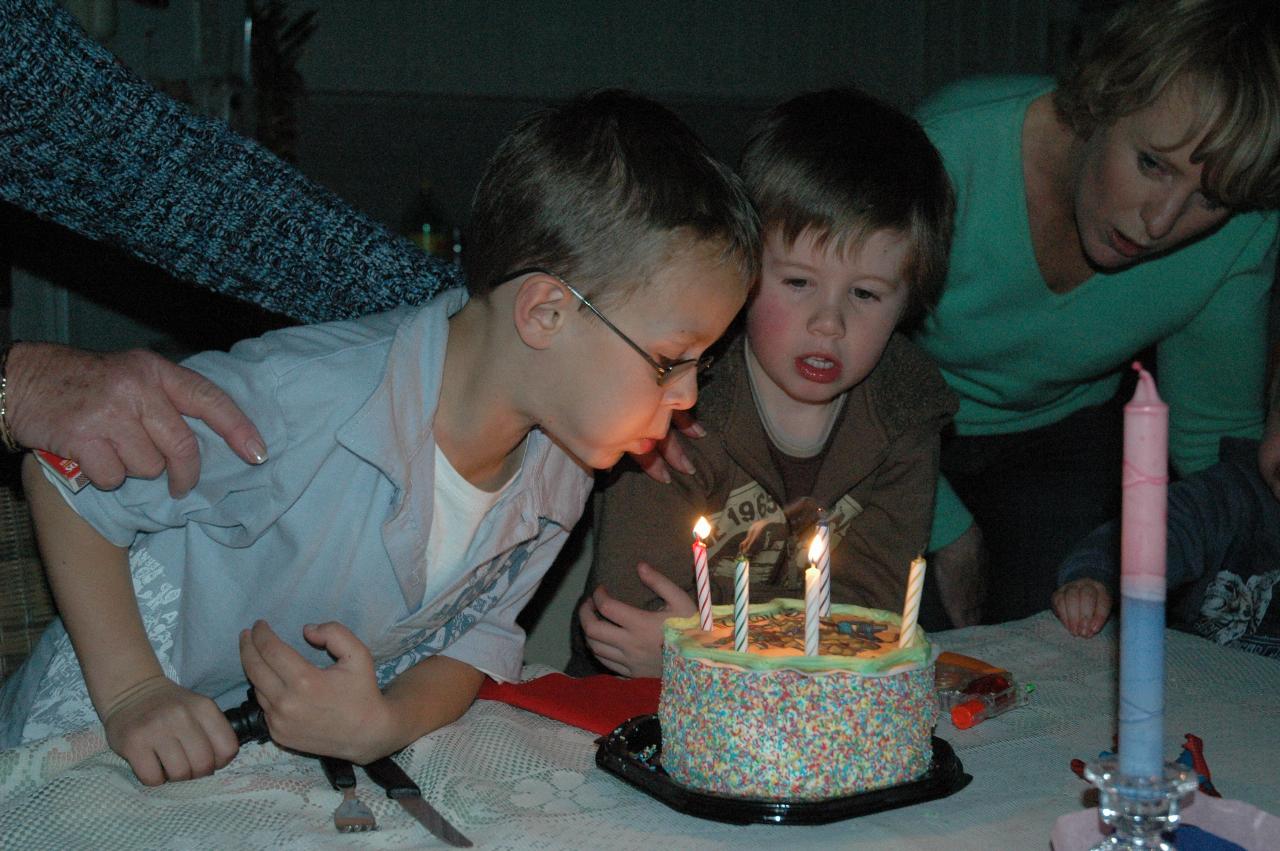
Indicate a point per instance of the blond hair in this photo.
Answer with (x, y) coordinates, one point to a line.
(601, 190)
(1224, 55)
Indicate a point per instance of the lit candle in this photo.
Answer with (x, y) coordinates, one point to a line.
(911, 608)
(820, 556)
(741, 599)
(811, 617)
(701, 530)
(1144, 486)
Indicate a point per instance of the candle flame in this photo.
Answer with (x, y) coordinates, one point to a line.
(815, 549)
(702, 528)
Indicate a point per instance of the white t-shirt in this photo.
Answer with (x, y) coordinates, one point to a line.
(458, 510)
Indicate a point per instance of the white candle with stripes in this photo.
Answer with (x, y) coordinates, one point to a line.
(741, 600)
(911, 607)
(701, 578)
(820, 555)
(811, 617)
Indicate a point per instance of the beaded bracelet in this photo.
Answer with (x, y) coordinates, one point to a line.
(6, 434)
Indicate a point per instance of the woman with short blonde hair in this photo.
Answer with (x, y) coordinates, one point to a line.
(1129, 208)
(1230, 70)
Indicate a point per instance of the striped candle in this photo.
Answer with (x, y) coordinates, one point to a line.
(822, 539)
(741, 599)
(1143, 531)
(702, 580)
(911, 607)
(811, 617)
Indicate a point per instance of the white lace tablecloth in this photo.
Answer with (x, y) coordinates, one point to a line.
(510, 779)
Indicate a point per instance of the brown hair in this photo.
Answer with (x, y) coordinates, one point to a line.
(601, 190)
(1226, 56)
(844, 165)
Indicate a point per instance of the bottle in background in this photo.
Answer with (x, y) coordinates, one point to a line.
(426, 228)
(456, 248)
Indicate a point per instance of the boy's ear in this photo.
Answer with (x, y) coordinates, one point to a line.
(540, 306)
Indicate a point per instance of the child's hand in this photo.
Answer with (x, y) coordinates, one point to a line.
(1083, 606)
(167, 732)
(334, 711)
(628, 640)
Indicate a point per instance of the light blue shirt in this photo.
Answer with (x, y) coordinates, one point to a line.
(334, 526)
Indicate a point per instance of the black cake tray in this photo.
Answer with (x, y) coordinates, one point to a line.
(633, 752)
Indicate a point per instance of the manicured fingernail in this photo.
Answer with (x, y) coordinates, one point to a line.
(665, 476)
(698, 431)
(688, 468)
(258, 450)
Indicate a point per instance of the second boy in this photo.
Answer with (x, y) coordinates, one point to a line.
(819, 405)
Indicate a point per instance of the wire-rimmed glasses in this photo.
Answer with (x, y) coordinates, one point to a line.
(667, 373)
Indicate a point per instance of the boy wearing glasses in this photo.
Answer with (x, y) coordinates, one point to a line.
(820, 405)
(426, 467)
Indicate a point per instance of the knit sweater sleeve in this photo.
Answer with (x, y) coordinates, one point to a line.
(87, 144)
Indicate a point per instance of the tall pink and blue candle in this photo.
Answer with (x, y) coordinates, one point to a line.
(1143, 531)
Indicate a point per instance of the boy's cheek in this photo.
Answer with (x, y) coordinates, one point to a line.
(765, 319)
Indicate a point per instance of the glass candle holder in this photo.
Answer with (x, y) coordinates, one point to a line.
(1139, 809)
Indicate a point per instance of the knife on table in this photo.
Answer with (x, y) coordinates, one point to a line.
(391, 777)
(250, 725)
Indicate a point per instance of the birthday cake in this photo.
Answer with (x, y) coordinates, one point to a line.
(773, 723)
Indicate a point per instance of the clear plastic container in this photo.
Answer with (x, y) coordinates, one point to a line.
(971, 691)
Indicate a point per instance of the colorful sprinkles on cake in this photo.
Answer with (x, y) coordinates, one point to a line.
(864, 722)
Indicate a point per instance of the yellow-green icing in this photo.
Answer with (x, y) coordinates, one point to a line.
(852, 639)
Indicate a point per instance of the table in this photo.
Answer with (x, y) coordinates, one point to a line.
(512, 780)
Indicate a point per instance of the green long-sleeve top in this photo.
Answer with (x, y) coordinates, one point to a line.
(1020, 356)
